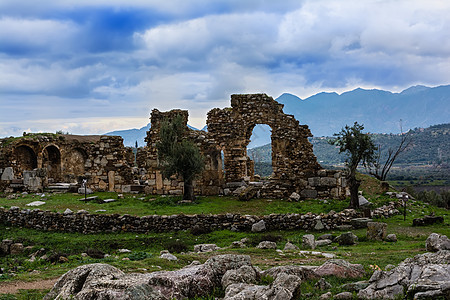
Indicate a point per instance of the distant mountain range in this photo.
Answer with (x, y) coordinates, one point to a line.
(326, 113)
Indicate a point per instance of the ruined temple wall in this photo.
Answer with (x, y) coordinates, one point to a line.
(103, 160)
(209, 182)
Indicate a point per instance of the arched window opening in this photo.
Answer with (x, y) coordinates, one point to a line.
(259, 150)
(26, 158)
(52, 162)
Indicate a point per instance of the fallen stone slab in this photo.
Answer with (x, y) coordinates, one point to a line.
(109, 200)
(36, 203)
(88, 198)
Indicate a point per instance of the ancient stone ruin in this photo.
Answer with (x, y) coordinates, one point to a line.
(36, 161)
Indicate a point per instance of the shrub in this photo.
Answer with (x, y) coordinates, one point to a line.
(139, 255)
(176, 246)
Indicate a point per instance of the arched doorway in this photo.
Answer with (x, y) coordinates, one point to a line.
(52, 162)
(259, 150)
(26, 158)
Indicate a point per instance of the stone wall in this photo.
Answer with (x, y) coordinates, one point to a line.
(92, 223)
(208, 183)
(83, 222)
(35, 161)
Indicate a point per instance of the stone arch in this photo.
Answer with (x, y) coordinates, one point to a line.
(26, 158)
(292, 155)
(74, 162)
(51, 156)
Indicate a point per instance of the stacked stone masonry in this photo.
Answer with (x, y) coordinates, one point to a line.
(35, 161)
(95, 223)
(38, 160)
(83, 222)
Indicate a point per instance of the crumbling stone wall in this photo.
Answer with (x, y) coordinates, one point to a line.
(295, 167)
(109, 165)
(208, 183)
(35, 161)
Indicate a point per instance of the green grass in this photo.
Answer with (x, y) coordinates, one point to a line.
(141, 205)
(146, 247)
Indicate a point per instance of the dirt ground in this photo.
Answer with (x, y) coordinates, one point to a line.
(14, 287)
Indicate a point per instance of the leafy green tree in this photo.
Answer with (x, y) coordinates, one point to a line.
(179, 156)
(360, 149)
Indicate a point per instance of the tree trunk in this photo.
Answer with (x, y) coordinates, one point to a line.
(188, 190)
(354, 186)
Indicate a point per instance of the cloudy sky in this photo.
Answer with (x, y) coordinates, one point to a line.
(93, 66)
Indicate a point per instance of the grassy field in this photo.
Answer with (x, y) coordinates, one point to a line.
(145, 248)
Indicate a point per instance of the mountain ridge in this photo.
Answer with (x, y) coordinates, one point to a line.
(327, 112)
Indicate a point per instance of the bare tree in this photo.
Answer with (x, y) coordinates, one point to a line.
(380, 170)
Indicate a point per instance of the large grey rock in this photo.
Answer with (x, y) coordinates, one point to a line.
(425, 275)
(308, 241)
(303, 272)
(392, 237)
(284, 287)
(205, 248)
(436, 242)
(294, 197)
(321, 243)
(259, 226)
(340, 268)
(8, 174)
(290, 246)
(104, 282)
(346, 239)
(267, 245)
(245, 274)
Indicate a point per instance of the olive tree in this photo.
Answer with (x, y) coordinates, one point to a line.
(360, 149)
(179, 156)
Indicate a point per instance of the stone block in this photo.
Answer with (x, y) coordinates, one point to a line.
(308, 241)
(16, 248)
(126, 188)
(308, 193)
(376, 231)
(111, 181)
(8, 174)
(259, 226)
(314, 181)
(327, 181)
(5, 245)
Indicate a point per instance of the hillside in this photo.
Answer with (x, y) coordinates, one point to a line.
(429, 146)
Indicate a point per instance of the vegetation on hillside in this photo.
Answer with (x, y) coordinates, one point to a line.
(429, 147)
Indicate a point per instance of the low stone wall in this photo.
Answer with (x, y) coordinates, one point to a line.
(95, 223)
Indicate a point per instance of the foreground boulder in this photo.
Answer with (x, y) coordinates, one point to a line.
(426, 276)
(284, 287)
(104, 282)
(340, 268)
(436, 242)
